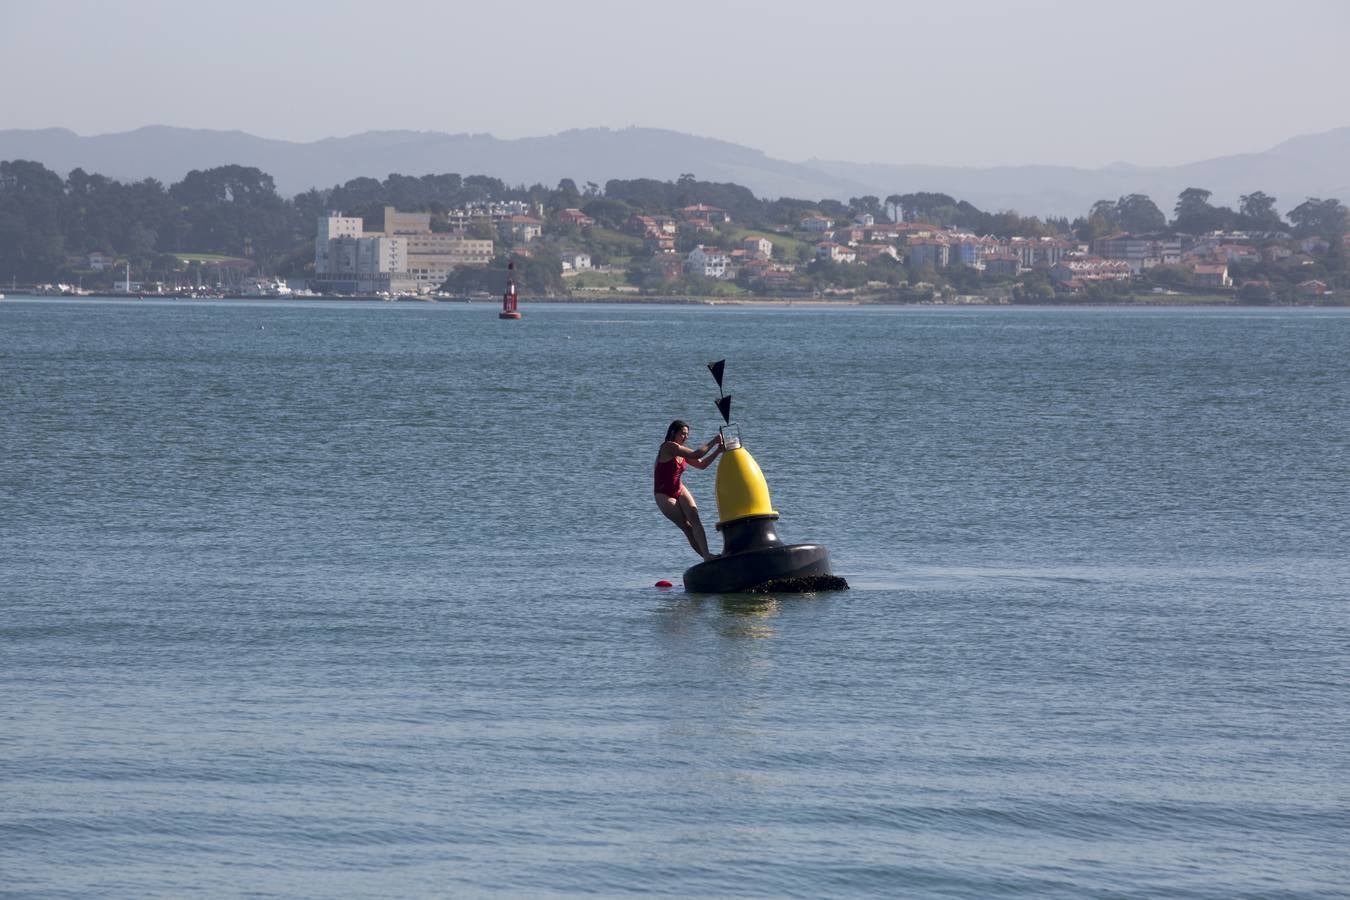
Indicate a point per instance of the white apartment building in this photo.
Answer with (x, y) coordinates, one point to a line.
(707, 261)
(368, 264)
(405, 256)
(332, 227)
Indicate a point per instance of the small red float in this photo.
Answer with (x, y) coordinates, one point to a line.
(664, 584)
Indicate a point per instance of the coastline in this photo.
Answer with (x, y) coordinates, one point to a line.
(1139, 301)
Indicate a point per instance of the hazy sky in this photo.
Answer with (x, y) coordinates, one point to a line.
(972, 83)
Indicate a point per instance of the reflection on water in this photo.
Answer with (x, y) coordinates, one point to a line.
(728, 615)
(747, 617)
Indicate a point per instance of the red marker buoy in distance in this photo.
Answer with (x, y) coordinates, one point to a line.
(664, 584)
(510, 303)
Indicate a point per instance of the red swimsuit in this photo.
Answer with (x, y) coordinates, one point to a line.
(667, 477)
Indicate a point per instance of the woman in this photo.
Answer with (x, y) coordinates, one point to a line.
(673, 497)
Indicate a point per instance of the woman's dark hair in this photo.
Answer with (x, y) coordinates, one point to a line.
(674, 428)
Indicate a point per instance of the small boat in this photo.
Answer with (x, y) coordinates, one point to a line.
(265, 288)
(510, 306)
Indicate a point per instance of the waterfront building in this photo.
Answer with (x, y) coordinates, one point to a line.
(1091, 268)
(404, 256)
(365, 264)
(432, 256)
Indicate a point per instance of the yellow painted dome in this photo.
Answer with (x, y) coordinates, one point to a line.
(741, 488)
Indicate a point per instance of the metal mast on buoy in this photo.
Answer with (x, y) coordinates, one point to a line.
(510, 302)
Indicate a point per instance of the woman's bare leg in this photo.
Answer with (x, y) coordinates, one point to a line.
(674, 510)
(698, 538)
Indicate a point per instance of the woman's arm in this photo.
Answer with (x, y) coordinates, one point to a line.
(705, 458)
(670, 450)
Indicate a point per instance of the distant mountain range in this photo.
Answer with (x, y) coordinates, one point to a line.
(1313, 165)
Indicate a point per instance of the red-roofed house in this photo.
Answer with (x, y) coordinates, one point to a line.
(707, 213)
(575, 217)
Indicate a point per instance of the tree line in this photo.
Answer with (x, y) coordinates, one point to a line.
(1194, 214)
(49, 224)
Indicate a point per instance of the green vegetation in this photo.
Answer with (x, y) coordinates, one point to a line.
(785, 246)
(230, 220)
(597, 280)
(540, 276)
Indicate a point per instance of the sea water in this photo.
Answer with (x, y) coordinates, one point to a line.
(308, 599)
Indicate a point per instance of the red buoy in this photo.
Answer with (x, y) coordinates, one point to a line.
(664, 584)
(509, 301)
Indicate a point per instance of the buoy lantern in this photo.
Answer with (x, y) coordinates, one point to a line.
(510, 303)
(753, 557)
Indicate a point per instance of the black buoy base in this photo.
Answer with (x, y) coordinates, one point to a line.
(734, 573)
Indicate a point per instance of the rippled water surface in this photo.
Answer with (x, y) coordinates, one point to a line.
(306, 600)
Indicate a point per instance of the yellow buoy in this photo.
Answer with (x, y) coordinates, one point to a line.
(741, 488)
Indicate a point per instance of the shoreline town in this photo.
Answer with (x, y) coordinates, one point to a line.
(699, 255)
